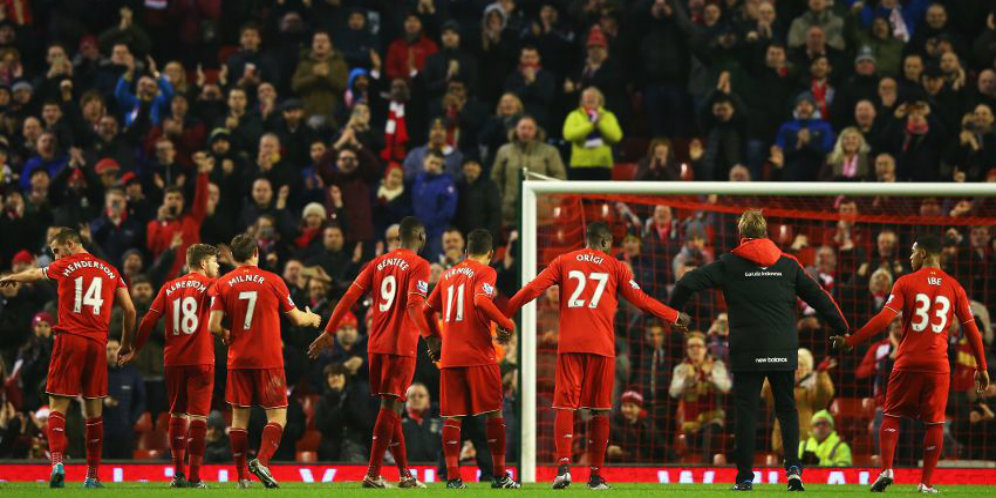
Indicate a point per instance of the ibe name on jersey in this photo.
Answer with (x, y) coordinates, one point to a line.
(934, 281)
(67, 271)
(185, 284)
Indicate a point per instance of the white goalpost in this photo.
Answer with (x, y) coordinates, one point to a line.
(532, 189)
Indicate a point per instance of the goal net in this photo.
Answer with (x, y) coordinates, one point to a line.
(853, 238)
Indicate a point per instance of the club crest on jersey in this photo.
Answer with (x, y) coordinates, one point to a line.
(488, 289)
(290, 301)
(423, 286)
(887, 301)
(633, 284)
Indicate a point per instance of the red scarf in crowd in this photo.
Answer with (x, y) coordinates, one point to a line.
(395, 133)
(913, 132)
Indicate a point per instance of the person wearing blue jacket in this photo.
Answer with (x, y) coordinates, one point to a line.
(802, 144)
(159, 90)
(435, 201)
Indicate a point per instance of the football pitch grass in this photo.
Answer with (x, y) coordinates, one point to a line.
(350, 489)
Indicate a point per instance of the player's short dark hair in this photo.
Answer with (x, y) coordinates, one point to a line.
(65, 235)
(198, 253)
(410, 227)
(173, 189)
(597, 231)
(479, 242)
(243, 247)
(930, 243)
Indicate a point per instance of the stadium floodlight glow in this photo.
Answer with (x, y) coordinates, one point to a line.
(537, 185)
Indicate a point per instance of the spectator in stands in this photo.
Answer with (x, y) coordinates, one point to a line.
(31, 363)
(592, 131)
(479, 201)
(334, 259)
(124, 404)
(916, 139)
(354, 169)
(356, 40)
(813, 392)
(949, 102)
(499, 129)
(186, 132)
(975, 151)
(452, 157)
(320, 77)
(698, 383)
(652, 367)
(824, 447)
(867, 122)
(244, 126)
(724, 122)
(218, 449)
(115, 231)
(246, 67)
(719, 338)
(454, 246)
(422, 426)
(155, 91)
(171, 218)
(261, 202)
(535, 85)
(435, 202)
(527, 149)
(343, 417)
(849, 160)
(632, 438)
(802, 143)
(819, 14)
(862, 84)
(659, 164)
(406, 56)
(48, 157)
(394, 200)
(879, 39)
(451, 61)
(600, 71)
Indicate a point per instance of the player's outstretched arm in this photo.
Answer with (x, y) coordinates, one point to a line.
(877, 324)
(963, 310)
(32, 275)
(326, 340)
(126, 350)
(548, 277)
(506, 327)
(306, 318)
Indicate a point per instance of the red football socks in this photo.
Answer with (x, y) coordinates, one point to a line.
(563, 430)
(57, 436)
(94, 434)
(494, 430)
(177, 441)
(195, 447)
(598, 440)
(240, 446)
(269, 442)
(933, 441)
(399, 450)
(451, 447)
(383, 433)
(888, 436)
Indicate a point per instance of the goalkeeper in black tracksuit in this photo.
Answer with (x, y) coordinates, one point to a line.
(760, 285)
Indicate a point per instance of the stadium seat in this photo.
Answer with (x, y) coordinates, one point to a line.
(308, 407)
(309, 441)
(225, 52)
(624, 172)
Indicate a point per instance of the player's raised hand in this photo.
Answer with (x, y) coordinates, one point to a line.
(434, 346)
(981, 381)
(125, 354)
(321, 343)
(839, 343)
(683, 322)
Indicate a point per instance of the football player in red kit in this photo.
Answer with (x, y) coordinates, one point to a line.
(88, 287)
(928, 298)
(188, 358)
(398, 282)
(470, 380)
(589, 280)
(252, 300)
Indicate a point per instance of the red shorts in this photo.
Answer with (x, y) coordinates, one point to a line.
(584, 381)
(265, 387)
(189, 389)
(917, 395)
(391, 375)
(466, 391)
(78, 367)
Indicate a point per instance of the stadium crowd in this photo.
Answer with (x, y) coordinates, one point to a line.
(325, 122)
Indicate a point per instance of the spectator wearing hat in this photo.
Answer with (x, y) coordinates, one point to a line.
(861, 85)
(698, 383)
(343, 416)
(394, 200)
(107, 170)
(820, 14)
(824, 448)
(218, 449)
(533, 84)
(356, 40)
(452, 156)
(320, 77)
(23, 102)
(115, 231)
(479, 202)
(592, 131)
(451, 61)
(406, 56)
(313, 219)
(802, 143)
(600, 71)
(229, 173)
(632, 437)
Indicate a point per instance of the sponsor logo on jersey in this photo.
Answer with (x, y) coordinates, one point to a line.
(763, 273)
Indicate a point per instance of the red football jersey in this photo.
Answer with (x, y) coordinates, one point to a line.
(466, 330)
(253, 299)
(186, 305)
(927, 299)
(589, 281)
(86, 294)
(391, 279)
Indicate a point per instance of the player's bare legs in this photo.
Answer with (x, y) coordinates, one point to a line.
(177, 448)
(563, 429)
(494, 430)
(598, 441)
(387, 435)
(196, 442)
(888, 437)
(451, 452)
(276, 419)
(93, 410)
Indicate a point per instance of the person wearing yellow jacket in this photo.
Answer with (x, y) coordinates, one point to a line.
(824, 448)
(592, 130)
